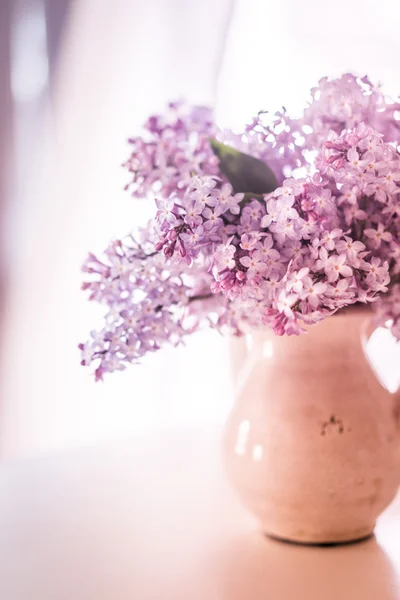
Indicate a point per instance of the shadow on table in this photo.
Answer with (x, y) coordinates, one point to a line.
(256, 568)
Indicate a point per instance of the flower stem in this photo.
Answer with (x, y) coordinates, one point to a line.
(200, 297)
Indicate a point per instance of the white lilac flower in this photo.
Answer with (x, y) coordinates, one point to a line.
(312, 290)
(223, 257)
(295, 282)
(285, 303)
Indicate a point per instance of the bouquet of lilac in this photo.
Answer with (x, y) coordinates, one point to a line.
(279, 226)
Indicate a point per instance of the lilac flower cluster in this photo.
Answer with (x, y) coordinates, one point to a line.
(289, 144)
(328, 237)
(174, 147)
(190, 225)
(149, 303)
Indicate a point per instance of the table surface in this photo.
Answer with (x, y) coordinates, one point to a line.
(153, 518)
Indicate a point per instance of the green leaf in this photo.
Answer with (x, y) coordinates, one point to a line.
(244, 172)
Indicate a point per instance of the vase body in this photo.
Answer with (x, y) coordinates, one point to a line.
(312, 446)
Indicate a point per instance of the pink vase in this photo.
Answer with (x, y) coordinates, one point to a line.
(313, 444)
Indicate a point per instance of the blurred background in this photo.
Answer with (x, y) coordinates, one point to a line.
(77, 78)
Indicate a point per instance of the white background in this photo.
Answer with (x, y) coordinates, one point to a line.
(116, 67)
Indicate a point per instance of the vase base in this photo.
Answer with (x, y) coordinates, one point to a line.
(354, 538)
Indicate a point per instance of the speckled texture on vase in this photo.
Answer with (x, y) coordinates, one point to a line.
(313, 444)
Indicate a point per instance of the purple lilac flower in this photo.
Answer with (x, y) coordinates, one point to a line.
(328, 237)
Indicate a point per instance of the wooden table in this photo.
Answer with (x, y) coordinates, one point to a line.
(153, 518)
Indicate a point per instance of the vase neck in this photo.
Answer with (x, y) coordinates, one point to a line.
(341, 329)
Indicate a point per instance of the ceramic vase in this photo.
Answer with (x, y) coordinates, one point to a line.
(312, 446)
